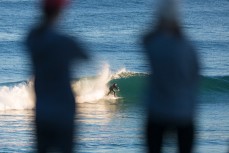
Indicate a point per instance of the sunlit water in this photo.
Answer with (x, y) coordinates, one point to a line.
(115, 127)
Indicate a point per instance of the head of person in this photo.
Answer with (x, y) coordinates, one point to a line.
(169, 16)
(52, 8)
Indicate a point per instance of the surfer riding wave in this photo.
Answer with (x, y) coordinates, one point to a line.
(113, 88)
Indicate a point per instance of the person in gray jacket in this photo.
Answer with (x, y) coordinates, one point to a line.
(174, 81)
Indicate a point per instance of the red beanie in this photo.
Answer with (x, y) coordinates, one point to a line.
(54, 4)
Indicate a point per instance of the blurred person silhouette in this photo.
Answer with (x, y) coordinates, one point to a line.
(174, 81)
(51, 54)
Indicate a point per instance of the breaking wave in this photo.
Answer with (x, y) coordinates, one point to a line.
(93, 89)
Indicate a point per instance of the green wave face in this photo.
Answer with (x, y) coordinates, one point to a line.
(133, 88)
(219, 84)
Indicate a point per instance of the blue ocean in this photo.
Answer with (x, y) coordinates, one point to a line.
(111, 31)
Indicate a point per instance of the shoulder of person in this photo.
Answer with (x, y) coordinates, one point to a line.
(149, 37)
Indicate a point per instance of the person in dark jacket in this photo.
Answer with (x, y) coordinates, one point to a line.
(171, 98)
(51, 55)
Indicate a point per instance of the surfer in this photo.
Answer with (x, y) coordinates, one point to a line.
(113, 88)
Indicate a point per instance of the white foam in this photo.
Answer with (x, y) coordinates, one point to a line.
(19, 97)
(88, 90)
(123, 73)
(92, 89)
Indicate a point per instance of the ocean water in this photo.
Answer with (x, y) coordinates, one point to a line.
(111, 31)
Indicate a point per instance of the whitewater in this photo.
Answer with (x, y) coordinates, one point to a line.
(20, 95)
(94, 89)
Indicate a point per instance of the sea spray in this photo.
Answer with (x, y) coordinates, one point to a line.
(92, 89)
(18, 97)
